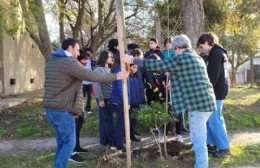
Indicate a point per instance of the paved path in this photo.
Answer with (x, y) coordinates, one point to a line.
(29, 145)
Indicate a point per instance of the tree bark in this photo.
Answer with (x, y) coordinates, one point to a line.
(61, 9)
(252, 70)
(41, 36)
(193, 19)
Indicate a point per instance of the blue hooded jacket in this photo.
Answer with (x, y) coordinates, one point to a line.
(61, 53)
(117, 92)
(137, 91)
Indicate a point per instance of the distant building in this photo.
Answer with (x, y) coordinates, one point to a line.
(21, 64)
(243, 70)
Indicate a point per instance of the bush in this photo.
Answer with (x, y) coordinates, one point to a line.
(153, 115)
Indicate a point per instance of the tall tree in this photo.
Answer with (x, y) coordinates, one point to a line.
(33, 14)
(193, 19)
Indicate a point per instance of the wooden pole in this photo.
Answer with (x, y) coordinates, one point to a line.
(122, 42)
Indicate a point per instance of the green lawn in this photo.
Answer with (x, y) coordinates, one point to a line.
(241, 111)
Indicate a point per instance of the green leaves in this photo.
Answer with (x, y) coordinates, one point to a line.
(149, 116)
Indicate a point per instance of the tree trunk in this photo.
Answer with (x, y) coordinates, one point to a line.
(158, 30)
(41, 37)
(45, 46)
(252, 70)
(193, 19)
(61, 9)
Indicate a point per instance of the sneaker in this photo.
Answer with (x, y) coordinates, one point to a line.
(222, 153)
(135, 139)
(76, 158)
(161, 140)
(185, 130)
(211, 148)
(81, 150)
(179, 138)
(113, 148)
(89, 112)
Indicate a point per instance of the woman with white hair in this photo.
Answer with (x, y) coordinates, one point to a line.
(191, 91)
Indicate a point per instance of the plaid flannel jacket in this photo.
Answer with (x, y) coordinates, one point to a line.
(191, 89)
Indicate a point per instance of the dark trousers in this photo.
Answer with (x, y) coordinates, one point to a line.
(78, 122)
(133, 120)
(120, 126)
(106, 124)
(87, 94)
(178, 126)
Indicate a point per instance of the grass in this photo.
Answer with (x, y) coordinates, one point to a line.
(28, 120)
(242, 109)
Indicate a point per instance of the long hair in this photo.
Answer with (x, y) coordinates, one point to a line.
(102, 59)
(116, 63)
(210, 37)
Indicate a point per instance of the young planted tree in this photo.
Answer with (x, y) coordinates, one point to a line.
(152, 118)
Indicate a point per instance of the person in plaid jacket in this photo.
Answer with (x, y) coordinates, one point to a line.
(191, 90)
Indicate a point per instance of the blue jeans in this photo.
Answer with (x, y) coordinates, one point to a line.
(198, 136)
(63, 123)
(120, 126)
(217, 134)
(106, 124)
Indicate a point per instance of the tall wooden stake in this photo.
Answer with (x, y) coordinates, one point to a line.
(122, 43)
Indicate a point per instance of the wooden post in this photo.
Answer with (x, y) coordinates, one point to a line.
(122, 42)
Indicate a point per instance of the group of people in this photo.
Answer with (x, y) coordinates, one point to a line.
(195, 86)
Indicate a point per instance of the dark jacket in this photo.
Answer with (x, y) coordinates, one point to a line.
(153, 83)
(137, 91)
(63, 82)
(150, 52)
(217, 67)
(117, 92)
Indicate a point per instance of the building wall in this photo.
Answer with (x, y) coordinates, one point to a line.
(22, 62)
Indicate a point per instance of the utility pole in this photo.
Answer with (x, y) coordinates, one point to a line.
(122, 44)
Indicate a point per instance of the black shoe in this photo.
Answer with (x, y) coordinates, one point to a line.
(76, 158)
(137, 133)
(123, 149)
(135, 139)
(212, 149)
(81, 150)
(185, 130)
(222, 153)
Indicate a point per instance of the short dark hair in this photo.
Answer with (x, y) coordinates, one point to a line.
(153, 39)
(102, 59)
(69, 42)
(82, 55)
(112, 44)
(210, 37)
(136, 52)
(89, 50)
(167, 40)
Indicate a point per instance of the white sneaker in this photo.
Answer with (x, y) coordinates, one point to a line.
(113, 148)
(89, 112)
(161, 140)
(179, 138)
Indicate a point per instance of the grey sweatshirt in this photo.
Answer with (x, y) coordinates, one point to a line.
(103, 90)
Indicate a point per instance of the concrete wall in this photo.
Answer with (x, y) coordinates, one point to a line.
(23, 62)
